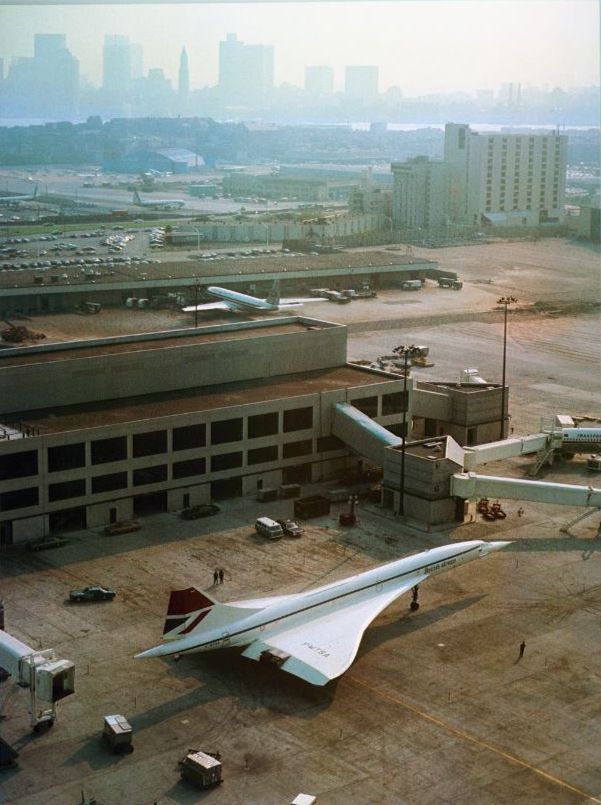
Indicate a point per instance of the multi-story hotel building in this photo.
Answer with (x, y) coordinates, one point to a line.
(500, 179)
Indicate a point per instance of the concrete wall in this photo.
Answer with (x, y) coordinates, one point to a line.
(277, 232)
(128, 374)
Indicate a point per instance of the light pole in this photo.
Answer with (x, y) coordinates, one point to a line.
(505, 301)
(195, 301)
(388, 218)
(266, 233)
(405, 352)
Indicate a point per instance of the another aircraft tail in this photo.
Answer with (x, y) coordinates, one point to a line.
(191, 610)
(35, 191)
(274, 293)
(137, 199)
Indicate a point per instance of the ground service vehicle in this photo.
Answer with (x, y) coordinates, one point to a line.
(269, 528)
(411, 285)
(117, 734)
(92, 594)
(450, 282)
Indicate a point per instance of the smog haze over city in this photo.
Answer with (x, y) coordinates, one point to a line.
(487, 54)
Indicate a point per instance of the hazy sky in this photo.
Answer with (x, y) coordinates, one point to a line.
(420, 45)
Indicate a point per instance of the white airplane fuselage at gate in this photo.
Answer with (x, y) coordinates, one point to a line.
(235, 301)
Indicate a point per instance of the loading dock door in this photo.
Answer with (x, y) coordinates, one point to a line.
(300, 474)
(67, 520)
(152, 503)
(226, 488)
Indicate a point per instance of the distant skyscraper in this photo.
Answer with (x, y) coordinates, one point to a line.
(46, 46)
(361, 83)
(319, 80)
(421, 194)
(46, 85)
(245, 71)
(183, 84)
(116, 69)
(136, 54)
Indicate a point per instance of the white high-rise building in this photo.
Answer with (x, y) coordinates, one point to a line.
(510, 180)
(507, 179)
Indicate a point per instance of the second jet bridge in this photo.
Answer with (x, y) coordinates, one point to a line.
(361, 433)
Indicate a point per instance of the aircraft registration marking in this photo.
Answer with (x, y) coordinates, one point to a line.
(321, 651)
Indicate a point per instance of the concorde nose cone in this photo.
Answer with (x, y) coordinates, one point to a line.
(157, 651)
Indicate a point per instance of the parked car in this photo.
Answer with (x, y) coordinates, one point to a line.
(123, 527)
(47, 543)
(202, 510)
(291, 528)
(97, 593)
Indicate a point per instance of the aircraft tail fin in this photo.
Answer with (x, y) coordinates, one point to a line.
(274, 293)
(191, 610)
(35, 191)
(136, 197)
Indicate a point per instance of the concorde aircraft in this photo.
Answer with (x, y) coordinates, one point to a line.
(236, 302)
(158, 203)
(315, 634)
(16, 200)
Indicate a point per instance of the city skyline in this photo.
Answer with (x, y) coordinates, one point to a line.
(422, 47)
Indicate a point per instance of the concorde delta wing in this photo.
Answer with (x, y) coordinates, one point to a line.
(322, 649)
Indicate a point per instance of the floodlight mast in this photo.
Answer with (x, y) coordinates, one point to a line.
(48, 678)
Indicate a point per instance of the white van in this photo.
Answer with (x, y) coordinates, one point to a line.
(267, 527)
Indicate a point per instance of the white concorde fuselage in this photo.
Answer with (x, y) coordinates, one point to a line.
(288, 613)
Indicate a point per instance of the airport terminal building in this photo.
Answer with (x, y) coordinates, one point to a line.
(98, 431)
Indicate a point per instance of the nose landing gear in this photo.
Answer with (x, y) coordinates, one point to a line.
(414, 605)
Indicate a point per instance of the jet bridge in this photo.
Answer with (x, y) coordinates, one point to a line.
(48, 678)
(469, 485)
(360, 432)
